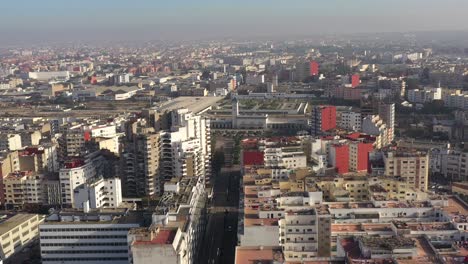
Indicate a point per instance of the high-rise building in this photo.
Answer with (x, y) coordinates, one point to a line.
(387, 114)
(339, 157)
(355, 80)
(350, 120)
(140, 162)
(323, 119)
(375, 126)
(359, 155)
(314, 68)
(8, 163)
(80, 171)
(186, 148)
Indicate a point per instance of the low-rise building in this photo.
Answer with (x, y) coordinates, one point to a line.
(99, 236)
(16, 232)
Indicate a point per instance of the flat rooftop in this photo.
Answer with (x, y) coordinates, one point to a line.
(192, 103)
(11, 222)
(162, 237)
(457, 209)
(245, 255)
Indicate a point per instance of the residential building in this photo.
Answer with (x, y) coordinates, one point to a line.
(10, 142)
(140, 162)
(323, 119)
(9, 163)
(305, 234)
(350, 120)
(101, 193)
(177, 227)
(411, 166)
(23, 187)
(387, 114)
(375, 126)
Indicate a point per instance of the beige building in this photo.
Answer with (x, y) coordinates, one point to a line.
(411, 166)
(16, 232)
(305, 234)
(22, 188)
(10, 142)
(8, 164)
(30, 138)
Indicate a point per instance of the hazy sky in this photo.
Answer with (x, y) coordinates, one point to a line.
(153, 19)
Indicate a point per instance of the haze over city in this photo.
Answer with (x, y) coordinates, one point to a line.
(234, 132)
(55, 20)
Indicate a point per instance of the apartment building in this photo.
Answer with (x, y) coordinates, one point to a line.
(10, 142)
(186, 148)
(350, 120)
(81, 171)
(450, 162)
(178, 225)
(97, 236)
(323, 119)
(140, 162)
(387, 114)
(411, 166)
(72, 142)
(40, 159)
(305, 234)
(23, 187)
(16, 232)
(99, 193)
(9, 162)
(375, 126)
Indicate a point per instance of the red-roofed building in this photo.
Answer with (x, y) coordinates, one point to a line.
(323, 119)
(314, 68)
(355, 80)
(339, 158)
(149, 246)
(252, 158)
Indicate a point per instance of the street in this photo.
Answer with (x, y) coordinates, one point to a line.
(220, 240)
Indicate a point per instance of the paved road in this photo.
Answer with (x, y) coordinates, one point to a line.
(220, 239)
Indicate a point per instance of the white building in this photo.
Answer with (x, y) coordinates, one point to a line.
(350, 120)
(92, 237)
(75, 174)
(10, 142)
(178, 227)
(449, 162)
(375, 126)
(387, 114)
(285, 157)
(186, 148)
(456, 100)
(45, 76)
(102, 193)
(106, 131)
(305, 234)
(428, 94)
